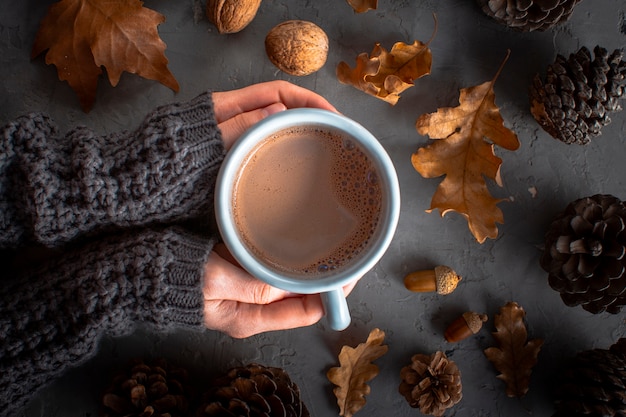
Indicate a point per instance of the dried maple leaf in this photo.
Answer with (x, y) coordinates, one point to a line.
(355, 370)
(361, 6)
(464, 154)
(386, 75)
(121, 35)
(514, 357)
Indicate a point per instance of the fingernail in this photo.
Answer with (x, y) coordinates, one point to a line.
(274, 108)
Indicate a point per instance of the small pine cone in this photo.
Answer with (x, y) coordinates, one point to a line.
(431, 383)
(594, 384)
(253, 390)
(574, 101)
(147, 390)
(584, 254)
(529, 15)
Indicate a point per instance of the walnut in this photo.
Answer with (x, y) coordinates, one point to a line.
(231, 16)
(297, 47)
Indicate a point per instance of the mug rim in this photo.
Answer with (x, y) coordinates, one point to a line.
(264, 129)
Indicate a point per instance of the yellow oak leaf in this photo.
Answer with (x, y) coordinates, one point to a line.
(81, 36)
(355, 370)
(464, 152)
(386, 75)
(361, 6)
(515, 356)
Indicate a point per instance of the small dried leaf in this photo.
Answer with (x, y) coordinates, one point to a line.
(81, 36)
(514, 357)
(466, 135)
(387, 74)
(361, 6)
(355, 370)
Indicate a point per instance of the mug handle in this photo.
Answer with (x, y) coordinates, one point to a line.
(336, 308)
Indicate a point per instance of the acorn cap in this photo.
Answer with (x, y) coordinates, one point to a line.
(447, 279)
(474, 320)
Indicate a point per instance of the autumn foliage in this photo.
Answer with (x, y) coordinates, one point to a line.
(384, 74)
(355, 370)
(361, 6)
(515, 355)
(82, 36)
(466, 136)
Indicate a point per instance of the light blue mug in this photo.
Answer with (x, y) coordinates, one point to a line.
(329, 284)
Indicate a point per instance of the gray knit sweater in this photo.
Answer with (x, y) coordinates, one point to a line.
(118, 209)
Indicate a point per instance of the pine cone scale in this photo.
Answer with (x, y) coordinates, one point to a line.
(617, 287)
(549, 4)
(600, 283)
(116, 403)
(588, 265)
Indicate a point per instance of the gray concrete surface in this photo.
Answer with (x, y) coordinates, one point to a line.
(540, 179)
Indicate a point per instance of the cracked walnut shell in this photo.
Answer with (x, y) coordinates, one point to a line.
(297, 47)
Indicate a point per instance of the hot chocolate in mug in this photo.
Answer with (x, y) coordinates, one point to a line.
(308, 201)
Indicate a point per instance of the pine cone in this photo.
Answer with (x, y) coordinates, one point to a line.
(594, 384)
(155, 389)
(529, 15)
(584, 254)
(574, 102)
(253, 390)
(431, 383)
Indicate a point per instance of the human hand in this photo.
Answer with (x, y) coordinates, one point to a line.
(240, 305)
(237, 110)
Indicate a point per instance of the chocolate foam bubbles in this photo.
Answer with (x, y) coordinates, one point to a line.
(307, 200)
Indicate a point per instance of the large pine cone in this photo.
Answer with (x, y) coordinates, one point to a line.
(431, 383)
(145, 390)
(529, 15)
(253, 391)
(584, 254)
(594, 384)
(574, 102)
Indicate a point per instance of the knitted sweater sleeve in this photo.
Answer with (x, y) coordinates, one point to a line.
(52, 320)
(54, 188)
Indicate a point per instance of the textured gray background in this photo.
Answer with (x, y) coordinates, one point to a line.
(540, 178)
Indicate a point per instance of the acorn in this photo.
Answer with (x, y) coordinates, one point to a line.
(442, 279)
(467, 324)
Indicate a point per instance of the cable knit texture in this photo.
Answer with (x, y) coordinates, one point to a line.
(105, 202)
(52, 324)
(56, 189)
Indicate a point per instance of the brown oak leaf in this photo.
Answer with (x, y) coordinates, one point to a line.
(361, 6)
(464, 153)
(514, 357)
(355, 370)
(81, 36)
(386, 75)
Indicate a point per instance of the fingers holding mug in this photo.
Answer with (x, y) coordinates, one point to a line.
(235, 126)
(241, 320)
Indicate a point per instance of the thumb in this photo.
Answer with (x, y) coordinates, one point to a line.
(237, 125)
